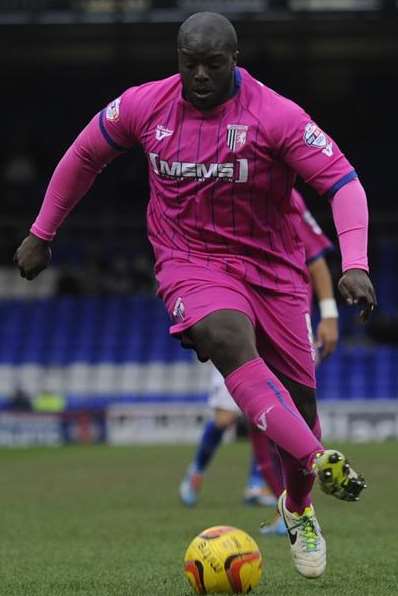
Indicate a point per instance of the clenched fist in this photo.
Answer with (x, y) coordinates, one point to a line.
(356, 288)
(32, 256)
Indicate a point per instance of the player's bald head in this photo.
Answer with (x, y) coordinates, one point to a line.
(207, 30)
(207, 56)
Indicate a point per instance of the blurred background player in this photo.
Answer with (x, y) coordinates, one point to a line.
(264, 476)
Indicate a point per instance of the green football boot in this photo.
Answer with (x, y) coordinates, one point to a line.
(336, 476)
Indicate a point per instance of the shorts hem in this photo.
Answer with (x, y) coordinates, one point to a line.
(180, 327)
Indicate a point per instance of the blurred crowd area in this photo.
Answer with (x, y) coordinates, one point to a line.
(104, 250)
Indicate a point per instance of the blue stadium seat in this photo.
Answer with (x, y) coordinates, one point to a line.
(134, 330)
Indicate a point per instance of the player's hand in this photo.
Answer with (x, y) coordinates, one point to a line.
(32, 256)
(327, 335)
(356, 288)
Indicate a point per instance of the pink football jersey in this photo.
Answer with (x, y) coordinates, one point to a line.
(220, 182)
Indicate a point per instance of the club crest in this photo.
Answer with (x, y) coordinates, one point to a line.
(236, 136)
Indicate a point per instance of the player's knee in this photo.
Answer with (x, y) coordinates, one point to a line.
(226, 337)
(228, 349)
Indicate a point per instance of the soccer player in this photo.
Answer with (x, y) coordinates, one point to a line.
(225, 410)
(223, 153)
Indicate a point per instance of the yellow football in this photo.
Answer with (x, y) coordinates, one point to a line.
(223, 559)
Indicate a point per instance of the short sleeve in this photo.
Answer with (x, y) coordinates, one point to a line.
(310, 151)
(118, 122)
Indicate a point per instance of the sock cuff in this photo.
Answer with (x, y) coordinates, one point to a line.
(234, 376)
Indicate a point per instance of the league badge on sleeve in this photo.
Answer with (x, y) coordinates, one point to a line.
(112, 111)
(315, 137)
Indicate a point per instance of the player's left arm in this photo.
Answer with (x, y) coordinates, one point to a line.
(350, 214)
(327, 332)
(314, 155)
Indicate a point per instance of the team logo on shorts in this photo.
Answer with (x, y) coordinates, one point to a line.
(179, 310)
(315, 137)
(112, 111)
(236, 136)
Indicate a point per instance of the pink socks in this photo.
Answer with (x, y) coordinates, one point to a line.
(281, 471)
(268, 405)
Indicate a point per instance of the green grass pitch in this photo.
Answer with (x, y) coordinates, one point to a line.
(102, 521)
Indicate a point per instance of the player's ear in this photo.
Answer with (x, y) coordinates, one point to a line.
(235, 58)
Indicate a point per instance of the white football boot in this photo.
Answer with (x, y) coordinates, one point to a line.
(307, 545)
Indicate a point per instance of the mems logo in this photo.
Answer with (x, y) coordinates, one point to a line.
(228, 172)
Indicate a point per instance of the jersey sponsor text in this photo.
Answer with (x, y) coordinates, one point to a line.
(237, 171)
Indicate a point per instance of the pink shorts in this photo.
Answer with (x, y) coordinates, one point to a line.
(281, 321)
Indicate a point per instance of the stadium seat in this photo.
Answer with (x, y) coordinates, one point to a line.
(121, 346)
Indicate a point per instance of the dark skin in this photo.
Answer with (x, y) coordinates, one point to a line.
(207, 57)
(207, 74)
(32, 256)
(356, 288)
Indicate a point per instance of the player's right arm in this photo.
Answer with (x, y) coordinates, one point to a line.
(110, 133)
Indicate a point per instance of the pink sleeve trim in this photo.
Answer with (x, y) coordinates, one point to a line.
(41, 233)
